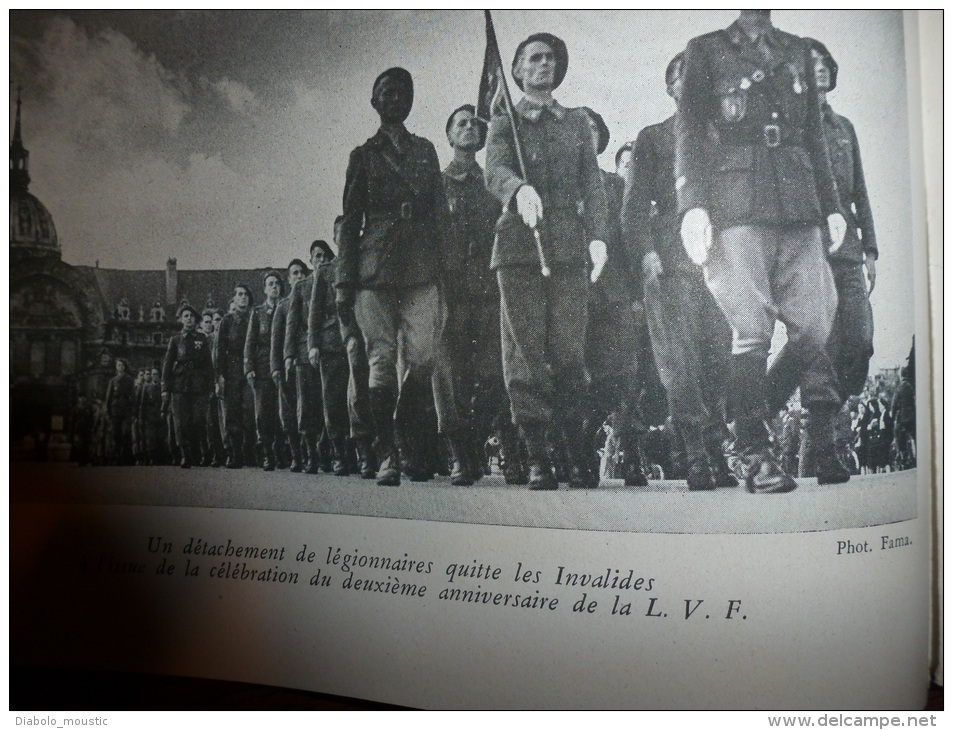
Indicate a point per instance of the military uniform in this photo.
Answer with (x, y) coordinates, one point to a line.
(324, 335)
(237, 395)
(543, 320)
(392, 260)
(150, 418)
(750, 151)
(286, 383)
(690, 337)
(120, 407)
(307, 377)
(612, 344)
(213, 444)
(472, 334)
(851, 343)
(257, 358)
(189, 378)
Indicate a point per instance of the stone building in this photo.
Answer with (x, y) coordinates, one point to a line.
(68, 324)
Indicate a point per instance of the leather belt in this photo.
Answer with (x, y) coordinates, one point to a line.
(770, 135)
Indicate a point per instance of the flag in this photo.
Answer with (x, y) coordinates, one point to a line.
(495, 98)
(493, 89)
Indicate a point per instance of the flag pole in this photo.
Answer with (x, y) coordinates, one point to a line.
(510, 112)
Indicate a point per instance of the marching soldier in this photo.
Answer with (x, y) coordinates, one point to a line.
(120, 407)
(472, 334)
(327, 354)
(149, 408)
(285, 378)
(188, 380)
(307, 377)
(755, 186)
(358, 405)
(690, 337)
(258, 370)
(234, 388)
(543, 318)
(391, 266)
(213, 443)
(850, 345)
(612, 349)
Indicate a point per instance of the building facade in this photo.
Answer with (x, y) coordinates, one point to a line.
(69, 324)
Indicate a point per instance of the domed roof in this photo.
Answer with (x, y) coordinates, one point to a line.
(31, 225)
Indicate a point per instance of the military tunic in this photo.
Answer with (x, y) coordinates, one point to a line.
(543, 320)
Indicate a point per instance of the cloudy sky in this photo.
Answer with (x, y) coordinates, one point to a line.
(222, 138)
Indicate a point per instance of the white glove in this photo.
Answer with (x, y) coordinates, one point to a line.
(529, 205)
(599, 255)
(837, 227)
(651, 266)
(696, 235)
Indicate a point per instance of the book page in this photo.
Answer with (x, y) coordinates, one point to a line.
(174, 166)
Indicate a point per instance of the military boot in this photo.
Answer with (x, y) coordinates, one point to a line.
(757, 465)
(460, 475)
(633, 472)
(382, 404)
(476, 455)
(715, 435)
(513, 456)
(186, 462)
(294, 444)
(541, 475)
(339, 463)
(821, 437)
(314, 456)
(583, 458)
(234, 451)
(365, 458)
(325, 453)
(699, 475)
(417, 454)
(269, 461)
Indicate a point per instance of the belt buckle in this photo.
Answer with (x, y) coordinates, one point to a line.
(406, 211)
(772, 135)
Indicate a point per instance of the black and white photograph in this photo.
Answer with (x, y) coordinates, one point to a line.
(459, 281)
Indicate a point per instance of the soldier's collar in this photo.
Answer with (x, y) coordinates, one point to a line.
(459, 171)
(739, 37)
(531, 110)
(397, 136)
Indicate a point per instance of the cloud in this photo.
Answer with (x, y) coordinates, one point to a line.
(113, 95)
(240, 98)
